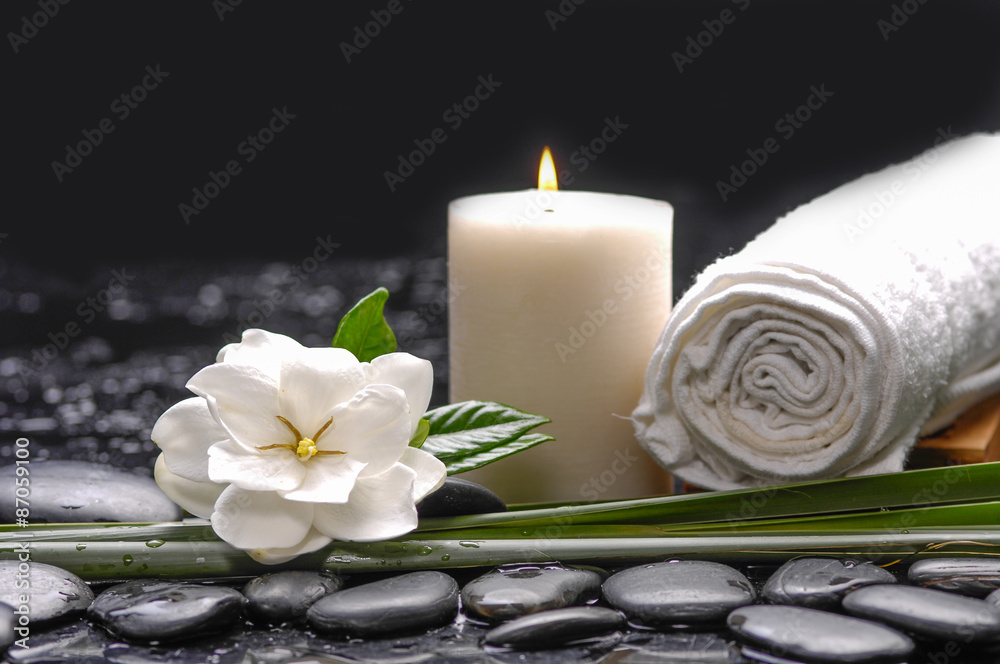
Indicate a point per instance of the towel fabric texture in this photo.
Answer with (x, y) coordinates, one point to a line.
(856, 323)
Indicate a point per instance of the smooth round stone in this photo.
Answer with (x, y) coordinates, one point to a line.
(155, 611)
(820, 583)
(8, 621)
(419, 600)
(976, 577)
(78, 491)
(53, 593)
(516, 590)
(934, 614)
(284, 596)
(798, 633)
(457, 497)
(681, 592)
(555, 628)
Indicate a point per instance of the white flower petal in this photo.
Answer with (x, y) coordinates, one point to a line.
(430, 471)
(313, 381)
(313, 541)
(373, 428)
(184, 433)
(245, 401)
(380, 507)
(329, 479)
(261, 349)
(411, 374)
(260, 470)
(260, 519)
(198, 498)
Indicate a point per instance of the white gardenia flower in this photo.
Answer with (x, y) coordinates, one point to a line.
(287, 448)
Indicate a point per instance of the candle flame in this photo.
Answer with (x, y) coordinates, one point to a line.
(547, 180)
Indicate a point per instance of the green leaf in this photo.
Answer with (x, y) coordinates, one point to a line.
(480, 459)
(423, 428)
(471, 434)
(363, 329)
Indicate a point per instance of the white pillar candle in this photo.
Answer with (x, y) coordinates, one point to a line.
(560, 299)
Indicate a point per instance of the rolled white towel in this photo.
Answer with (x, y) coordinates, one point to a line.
(857, 322)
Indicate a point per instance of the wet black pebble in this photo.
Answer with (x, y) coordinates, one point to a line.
(556, 628)
(820, 583)
(457, 497)
(511, 591)
(679, 593)
(976, 577)
(154, 611)
(80, 492)
(52, 592)
(797, 633)
(419, 600)
(8, 621)
(933, 614)
(286, 596)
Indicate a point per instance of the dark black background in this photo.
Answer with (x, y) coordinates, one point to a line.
(324, 175)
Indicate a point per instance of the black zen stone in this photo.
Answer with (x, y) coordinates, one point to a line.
(419, 600)
(556, 628)
(8, 621)
(285, 596)
(976, 577)
(679, 593)
(820, 583)
(797, 633)
(929, 613)
(156, 611)
(79, 492)
(516, 590)
(457, 497)
(52, 593)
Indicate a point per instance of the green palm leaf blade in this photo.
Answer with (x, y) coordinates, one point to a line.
(907, 490)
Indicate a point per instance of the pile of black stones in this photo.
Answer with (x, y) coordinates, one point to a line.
(806, 610)
(87, 409)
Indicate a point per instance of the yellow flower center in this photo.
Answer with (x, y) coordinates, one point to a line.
(304, 448)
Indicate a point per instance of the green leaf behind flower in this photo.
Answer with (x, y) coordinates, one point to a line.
(471, 434)
(423, 428)
(363, 329)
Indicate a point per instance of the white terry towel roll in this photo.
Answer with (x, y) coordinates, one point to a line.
(857, 322)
